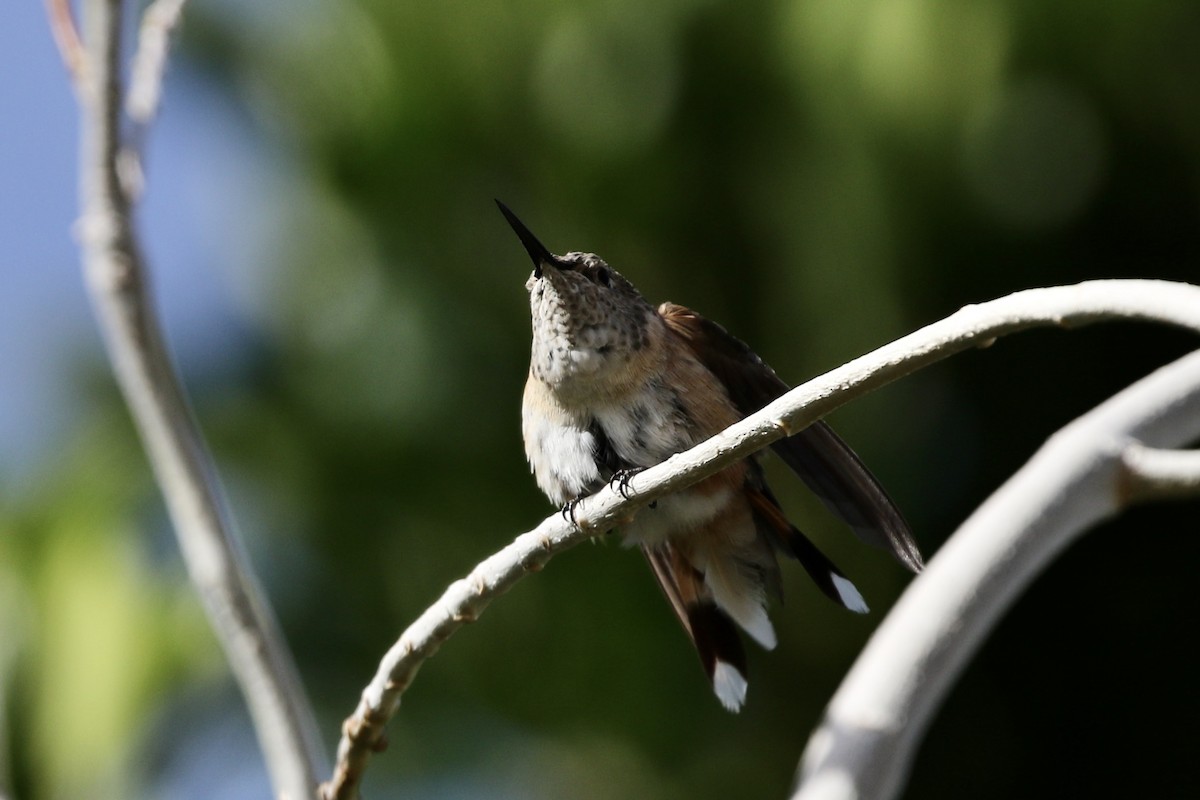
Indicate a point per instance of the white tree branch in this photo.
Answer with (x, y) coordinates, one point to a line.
(150, 61)
(147, 74)
(117, 281)
(1152, 473)
(1085, 473)
(1066, 306)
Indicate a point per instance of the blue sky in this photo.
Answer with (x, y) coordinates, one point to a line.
(207, 175)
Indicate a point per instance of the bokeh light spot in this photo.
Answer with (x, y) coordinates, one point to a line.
(607, 85)
(1034, 156)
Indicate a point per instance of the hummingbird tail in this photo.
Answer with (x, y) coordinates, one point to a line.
(712, 631)
(720, 648)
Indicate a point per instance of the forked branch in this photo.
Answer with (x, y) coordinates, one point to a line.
(1087, 472)
(116, 278)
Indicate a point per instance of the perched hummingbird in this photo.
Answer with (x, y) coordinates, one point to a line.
(617, 385)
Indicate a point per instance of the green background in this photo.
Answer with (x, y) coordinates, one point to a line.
(821, 177)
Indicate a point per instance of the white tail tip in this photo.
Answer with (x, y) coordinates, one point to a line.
(851, 599)
(760, 629)
(730, 686)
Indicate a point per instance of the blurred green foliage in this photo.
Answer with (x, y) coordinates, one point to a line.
(821, 176)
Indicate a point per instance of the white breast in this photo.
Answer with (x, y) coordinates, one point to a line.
(561, 454)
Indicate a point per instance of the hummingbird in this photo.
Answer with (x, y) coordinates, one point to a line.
(617, 385)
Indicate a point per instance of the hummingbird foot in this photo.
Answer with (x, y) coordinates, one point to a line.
(568, 510)
(620, 480)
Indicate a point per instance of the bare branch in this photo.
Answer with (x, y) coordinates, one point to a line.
(117, 281)
(1152, 473)
(869, 736)
(145, 86)
(363, 732)
(66, 37)
(150, 61)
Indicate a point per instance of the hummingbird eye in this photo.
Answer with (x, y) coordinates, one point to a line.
(603, 277)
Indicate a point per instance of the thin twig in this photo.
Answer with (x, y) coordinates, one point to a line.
(150, 61)
(66, 37)
(363, 732)
(149, 71)
(864, 747)
(117, 280)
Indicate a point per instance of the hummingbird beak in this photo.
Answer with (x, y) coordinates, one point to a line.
(537, 251)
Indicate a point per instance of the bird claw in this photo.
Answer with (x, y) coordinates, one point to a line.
(568, 511)
(620, 480)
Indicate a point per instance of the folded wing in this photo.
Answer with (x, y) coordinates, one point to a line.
(825, 463)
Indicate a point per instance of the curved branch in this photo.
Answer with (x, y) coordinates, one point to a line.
(869, 736)
(1066, 306)
(117, 281)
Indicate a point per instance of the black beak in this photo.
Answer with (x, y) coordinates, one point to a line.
(537, 251)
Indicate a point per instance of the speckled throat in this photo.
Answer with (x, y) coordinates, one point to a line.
(592, 331)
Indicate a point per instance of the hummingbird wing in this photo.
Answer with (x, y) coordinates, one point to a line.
(713, 633)
(825, 463)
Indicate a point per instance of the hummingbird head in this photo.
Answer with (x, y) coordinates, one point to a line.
(592, 329)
